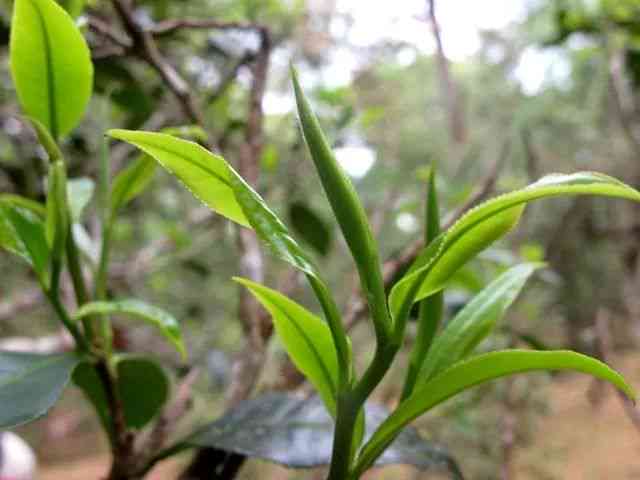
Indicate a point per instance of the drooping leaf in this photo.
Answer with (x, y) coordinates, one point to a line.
(131, 182)
(475, 321)
(205, 175)
(486, 223)
(50, 64)
(23, 233)
(311, 227)
(306, 338)
(348, 211)
(298, 433)
(79, 192)
(163, 321)
(144, 389)
(469, 373)
(31, 384)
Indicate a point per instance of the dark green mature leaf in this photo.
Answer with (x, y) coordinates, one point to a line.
(131, 182)
(206, 176)
(469, 373)
(306, 338)
(475, 321)
(144, 389)
(31, 384)
(23, 233)
(298, 433)
(166, 323)
(486, 223)
(49, 57)
(311, 227)
(348, 210)
(142, 384)
(79, 193)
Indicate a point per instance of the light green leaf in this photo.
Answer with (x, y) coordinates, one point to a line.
(484, 224)
(23, 233)
(32, 206)
(50, 64)
(166, 323)
(475, 371)
(79, 193)
(348, 211)
(131, 182)
(306, 338)
(475, 321)
(31, 384)
(205, 175)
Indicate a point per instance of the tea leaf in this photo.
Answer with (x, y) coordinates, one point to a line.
(475, 321)
(306, 338)
(484, 224)
(50, 64)
(166, 323)
(131, 182)
(472, 372)
(31, 384)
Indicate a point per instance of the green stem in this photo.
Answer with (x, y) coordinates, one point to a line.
(342, 454)
(77, 278)
(54, 299)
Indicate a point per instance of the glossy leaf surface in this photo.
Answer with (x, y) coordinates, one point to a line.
(49, 57)
(477, 370)
(306, 338)
(475, 321)
(298, 433)
(163, 321)
(31, 384)
(488, 222)
(205, 175)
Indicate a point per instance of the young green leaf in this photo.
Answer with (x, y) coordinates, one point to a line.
(57, 222)
(206, 176)
(79, 193)
(484, 224)
(166, 323)
(23, 233)
(348, 211)
(475, 321)
(131, 182)
(431, 308)
(477, 370)
(49, 57)
(31, 384)
(32, 206)
(306, 338)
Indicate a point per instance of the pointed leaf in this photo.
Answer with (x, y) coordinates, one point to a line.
(166, 323)
(49, 57)
(31, 384)
(348, 211)
(131, 182)
(477, 370)
(475, 321)
(488, 222)
(204, 174)
(306, 338)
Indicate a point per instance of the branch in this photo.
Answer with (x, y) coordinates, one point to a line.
(145, 47)
(168, 27)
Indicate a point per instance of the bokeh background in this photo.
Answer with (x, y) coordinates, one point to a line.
(494, 94)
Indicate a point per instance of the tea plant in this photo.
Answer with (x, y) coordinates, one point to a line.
(52, 71)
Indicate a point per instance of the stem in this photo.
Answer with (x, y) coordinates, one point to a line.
(54, 299)
(341, 456)
(77, 278)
